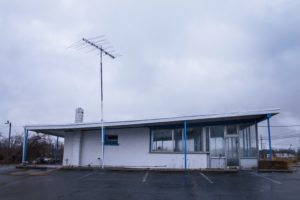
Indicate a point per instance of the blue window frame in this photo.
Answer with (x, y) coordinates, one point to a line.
(111, 140)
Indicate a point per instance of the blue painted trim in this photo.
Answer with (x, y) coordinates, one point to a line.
(110, 142)
(269, 136)
(184, 137)
(103, 135)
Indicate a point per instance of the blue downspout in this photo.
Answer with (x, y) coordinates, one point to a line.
(269, 135)
(184, 137)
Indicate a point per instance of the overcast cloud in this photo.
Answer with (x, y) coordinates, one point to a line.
(179, 58)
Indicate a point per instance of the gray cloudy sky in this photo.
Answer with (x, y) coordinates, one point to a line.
(179, 58)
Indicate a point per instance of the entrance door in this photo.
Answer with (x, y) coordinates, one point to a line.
(232, 157)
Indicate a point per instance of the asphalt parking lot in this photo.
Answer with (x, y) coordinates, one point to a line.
(102, 184)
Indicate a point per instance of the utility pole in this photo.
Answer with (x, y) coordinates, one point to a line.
(102, 52)
(9, 132)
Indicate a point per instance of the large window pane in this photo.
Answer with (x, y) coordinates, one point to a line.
(162, 140)
(171, 140)
(194, 139)
(178, 144)
(248, 141)
(217, 141)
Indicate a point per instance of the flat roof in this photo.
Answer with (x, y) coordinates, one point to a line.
(245, 116)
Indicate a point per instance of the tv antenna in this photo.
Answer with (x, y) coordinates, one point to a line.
(102, 45)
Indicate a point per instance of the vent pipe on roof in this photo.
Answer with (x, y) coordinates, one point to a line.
(79, 115)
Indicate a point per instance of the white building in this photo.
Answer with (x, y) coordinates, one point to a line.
(191, 142)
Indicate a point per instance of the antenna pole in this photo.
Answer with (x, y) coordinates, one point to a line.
(102, 122)
(102, 51)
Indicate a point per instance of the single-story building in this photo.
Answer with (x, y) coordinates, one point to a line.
(224, 141)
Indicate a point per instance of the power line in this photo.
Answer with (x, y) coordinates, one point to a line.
(284, 136)
(280, 126)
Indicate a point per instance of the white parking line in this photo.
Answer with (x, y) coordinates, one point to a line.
(145, 177)
(206, 177)
(84, 176)
(267, 178)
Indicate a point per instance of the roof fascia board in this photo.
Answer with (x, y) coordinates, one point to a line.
(150, 122)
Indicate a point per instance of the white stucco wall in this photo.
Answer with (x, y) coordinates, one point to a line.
(248, 163)
(84, 148)
(91, 149)
(72, 148)
(218, 163)
(133, 151)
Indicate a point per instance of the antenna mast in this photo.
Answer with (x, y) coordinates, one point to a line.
(97, 43)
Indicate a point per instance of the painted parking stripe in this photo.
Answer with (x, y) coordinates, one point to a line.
(84, 176)
(267, 178)
(206, 177)
(145, 177)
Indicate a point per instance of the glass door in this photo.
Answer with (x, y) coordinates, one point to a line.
(232, 157)
(216, 146)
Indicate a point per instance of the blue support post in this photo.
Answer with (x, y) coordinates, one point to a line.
(24, 157)
(269, 135)
(184, 137)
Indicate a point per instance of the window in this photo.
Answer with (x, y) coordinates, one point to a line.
(248, 141)
(111, 140)
(162, 140)
(194, 139)
(217, 141)
(178, 142)
(171, 140)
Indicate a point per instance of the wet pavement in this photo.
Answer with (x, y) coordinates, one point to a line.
(90, 185)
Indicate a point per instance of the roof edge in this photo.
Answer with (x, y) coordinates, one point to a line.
(273, 112)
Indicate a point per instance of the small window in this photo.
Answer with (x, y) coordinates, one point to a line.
(111, 140)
